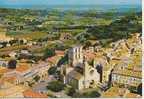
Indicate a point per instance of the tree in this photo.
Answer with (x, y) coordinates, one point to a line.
(4, 44)
(118, 29)
(12, 42)
(132, 89)
(55, 86)
(21, 42)
(36, 58)
(87, 44)
(89, 94)
(49, 53)
(139, 89)
(37, 78)
(60, 47)
(30, 84)
(63, 60)
(70, 91)
(12, 64)
(52, 70)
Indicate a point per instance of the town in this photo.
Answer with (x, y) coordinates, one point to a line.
(85, 57)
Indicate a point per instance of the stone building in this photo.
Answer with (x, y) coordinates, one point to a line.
(122, 76)
(65, 36)
(79, 73)
(75, 56)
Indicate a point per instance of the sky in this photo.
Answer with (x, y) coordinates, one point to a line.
(69, 2)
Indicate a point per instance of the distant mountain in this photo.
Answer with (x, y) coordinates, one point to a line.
(104, 8)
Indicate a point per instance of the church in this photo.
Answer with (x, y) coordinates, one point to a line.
(79, 73)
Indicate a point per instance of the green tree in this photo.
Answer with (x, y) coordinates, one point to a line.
(49, 53)
(87, 44)
(52, 70)
(63, 60)
(90, 94)
(70, 91)
(37, 78)
(118, 29)
(55, 86)
(139, 89)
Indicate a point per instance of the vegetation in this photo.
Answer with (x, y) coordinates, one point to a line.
(12, 64)
(55, 86)
(46, 26)
(63, 60)
(70, 91)
(49, 53)
(50, 94)
(29, 36)
(30, 84)
(90, 94)
(11, 48)
(37, 78)
(118, 29)
(52, 70)
(139, 89)
(133, 89)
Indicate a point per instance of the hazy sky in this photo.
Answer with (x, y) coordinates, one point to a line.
(67, 2)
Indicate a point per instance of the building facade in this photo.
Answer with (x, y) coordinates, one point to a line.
(126, 77)
(79, 73)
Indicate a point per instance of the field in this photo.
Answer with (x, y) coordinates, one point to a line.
(30, 36)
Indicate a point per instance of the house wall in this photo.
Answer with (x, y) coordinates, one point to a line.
(81, 84)
(126, 80)
(75, 56)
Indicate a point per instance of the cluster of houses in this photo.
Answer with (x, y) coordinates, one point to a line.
(7, 41)
(24, 72)
(116, 65)
(3, 37)
(119, 66)
(21, 73)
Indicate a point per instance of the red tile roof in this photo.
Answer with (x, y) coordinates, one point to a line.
(9, 79)
(31, 94)
(132, 95)
(22, 68)
(4, 70)
(61, 53)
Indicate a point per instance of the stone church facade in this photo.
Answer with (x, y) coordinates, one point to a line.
(78, 72)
